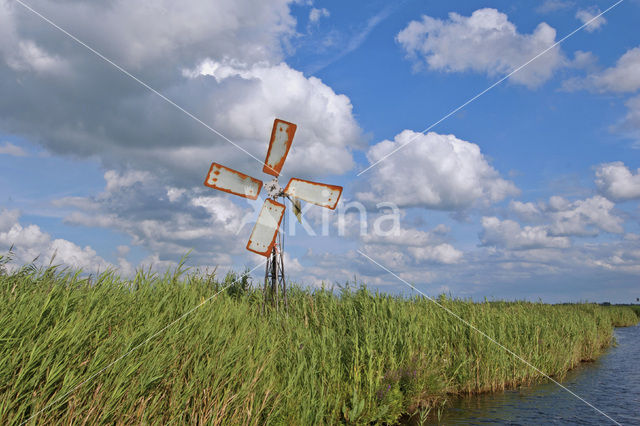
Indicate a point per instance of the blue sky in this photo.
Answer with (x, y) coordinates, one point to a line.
(531, 191)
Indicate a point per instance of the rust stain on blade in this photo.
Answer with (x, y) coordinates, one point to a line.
(279, 145)
(313, 192)
(231, 181)
(264, 233)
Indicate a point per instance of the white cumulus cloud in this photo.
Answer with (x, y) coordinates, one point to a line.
(621, 78)
(571, 218)
(528, 212)
(433, 171)
(509, 234)
(588, 15)
(30, 243)
(583, 217)
(327, 131)
(485, 42)
(441, 253)
(422, 246)
(617, 182)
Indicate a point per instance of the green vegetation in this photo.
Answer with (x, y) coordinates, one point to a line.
(636, 309)
(354, 357)
(622, 316)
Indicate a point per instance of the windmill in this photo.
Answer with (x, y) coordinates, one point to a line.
(264, 236)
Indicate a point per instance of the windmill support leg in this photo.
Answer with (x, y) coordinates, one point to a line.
(282, 282)
(275, 290)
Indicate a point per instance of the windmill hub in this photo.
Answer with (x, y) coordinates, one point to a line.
(274, 190)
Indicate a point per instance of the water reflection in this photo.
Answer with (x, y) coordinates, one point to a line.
(612, 384)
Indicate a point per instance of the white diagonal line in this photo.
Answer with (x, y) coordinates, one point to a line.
(124, 71)
(183, 316)
(473, 327)
(492, 86)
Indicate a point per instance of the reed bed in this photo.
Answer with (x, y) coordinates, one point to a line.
(353, 356)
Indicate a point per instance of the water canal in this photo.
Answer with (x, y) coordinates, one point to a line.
(612, 384)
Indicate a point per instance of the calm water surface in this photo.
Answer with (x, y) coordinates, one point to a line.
(612, 384)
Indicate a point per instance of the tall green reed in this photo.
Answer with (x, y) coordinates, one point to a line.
(354, 356)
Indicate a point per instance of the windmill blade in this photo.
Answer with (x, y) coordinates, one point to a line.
(263, 235)
(312, 192)
(279, 145)
(233, 182)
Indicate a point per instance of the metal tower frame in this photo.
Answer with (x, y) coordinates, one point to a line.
(275, 284)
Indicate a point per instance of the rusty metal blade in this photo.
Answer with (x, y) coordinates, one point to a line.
(316, 193)
(233, 182)
(279, 145)
(263, 235)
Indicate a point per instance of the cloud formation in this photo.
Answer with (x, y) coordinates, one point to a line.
(588, 15)
(616, 182)
(413, 245)
(549, 6)
(434, 171)
(138, 35)
(441, 253)
(485, 42)
(165, 222)
(30, 243)
(621, 78)
(327, 131)
(586, 217)
(315, 14)
(583, 217)
(509, 234)
(631, 122)
(87, 108)
(8, 148)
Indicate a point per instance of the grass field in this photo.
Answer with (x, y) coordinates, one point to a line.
(353, 357)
